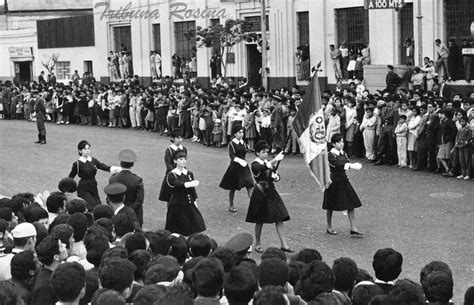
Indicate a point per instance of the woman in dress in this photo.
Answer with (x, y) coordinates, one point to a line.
(445, 137)
(266, 205)
(183, 217)
(86, 168)
(351, 124)
(412, 146)
(174, 147)
(340, 194)
(238, 174)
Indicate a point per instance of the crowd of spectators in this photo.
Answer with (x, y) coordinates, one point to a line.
(435, 133)
(53, 251)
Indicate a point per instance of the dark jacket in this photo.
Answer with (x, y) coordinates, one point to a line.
(447, 132)
(135, 191)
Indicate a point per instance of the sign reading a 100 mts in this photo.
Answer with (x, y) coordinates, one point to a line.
(383, 4)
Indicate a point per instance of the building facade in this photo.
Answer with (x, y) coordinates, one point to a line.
(21, 58)
(299, 34)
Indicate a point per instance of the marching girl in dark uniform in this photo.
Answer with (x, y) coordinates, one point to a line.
(169, 163)
(340, 194)
(266, 205)
(238, 174)
(86, 168)
(183, 216)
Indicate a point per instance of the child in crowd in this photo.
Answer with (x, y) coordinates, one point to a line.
(367, 127)
(217, 133)
(250, 127)
(401, 133)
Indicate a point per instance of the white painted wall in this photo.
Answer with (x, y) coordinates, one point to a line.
(16, 38)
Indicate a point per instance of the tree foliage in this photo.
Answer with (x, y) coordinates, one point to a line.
(223, 37)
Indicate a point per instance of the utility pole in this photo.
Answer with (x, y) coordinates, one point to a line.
(420, 33)
(264, 44)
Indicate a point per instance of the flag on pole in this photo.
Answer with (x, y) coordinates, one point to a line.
(311, 131)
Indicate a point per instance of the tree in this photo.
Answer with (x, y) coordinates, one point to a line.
(223, 38)
(49, 61)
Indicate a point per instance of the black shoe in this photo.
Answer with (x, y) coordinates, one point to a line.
(438, 170)
(43, 142)
(415, 169)
(448, 174)
(379, 162)
(287, 250)
(356, 234)
(38, 142)
(331, 232)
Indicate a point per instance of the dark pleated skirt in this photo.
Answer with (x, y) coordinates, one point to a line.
(266, 206)
(340, 196)
(236, 177)
(87, 190)
(184, 220)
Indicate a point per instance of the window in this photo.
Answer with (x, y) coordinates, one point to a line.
(352, 26)
(88, 66)
(217, 46)
(156, 38)
(184, 46)
(122, 38)
(458, 17)
(256, 23)
(303, 28)
(63, 69)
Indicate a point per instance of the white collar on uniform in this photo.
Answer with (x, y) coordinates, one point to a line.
(178, 172)
(262, 162)
(237, 141)
(175, 147)
(337, 152)
(83, 159)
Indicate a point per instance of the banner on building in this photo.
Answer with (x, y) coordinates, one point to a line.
(383, 4)
(20, 52)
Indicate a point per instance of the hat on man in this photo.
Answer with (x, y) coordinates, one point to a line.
(390, 67)
(115, 192)
(127, 155)
(23, 230)
(240, 242)
(114, 189)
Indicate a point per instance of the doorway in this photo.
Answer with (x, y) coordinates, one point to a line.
(405, 20)
(23, 71)
(254, 64)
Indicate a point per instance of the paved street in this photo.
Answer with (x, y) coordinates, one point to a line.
(424, 216)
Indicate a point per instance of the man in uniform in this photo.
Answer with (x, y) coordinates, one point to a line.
(115, 195)
(7, 101)
(40, 117)
(24, 238)
(392, 80)
(135, 192)
(240, 244)
(386, 141)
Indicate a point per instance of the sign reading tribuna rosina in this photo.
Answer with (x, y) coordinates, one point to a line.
(383, 4)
